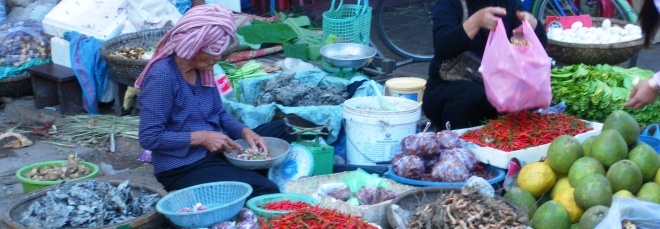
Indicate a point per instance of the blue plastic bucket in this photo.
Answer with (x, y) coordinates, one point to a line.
(499, 177)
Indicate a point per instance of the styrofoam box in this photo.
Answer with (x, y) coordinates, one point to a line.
(60, 52)
(102, 19)
(500, 159)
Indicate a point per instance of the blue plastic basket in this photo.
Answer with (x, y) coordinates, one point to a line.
(499, 176)
(223, 201)
(652, 140)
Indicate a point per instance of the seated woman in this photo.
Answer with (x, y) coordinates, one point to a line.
(182, 120)
(463, 102)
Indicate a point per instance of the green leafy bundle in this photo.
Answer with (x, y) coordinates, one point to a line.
(593, 92)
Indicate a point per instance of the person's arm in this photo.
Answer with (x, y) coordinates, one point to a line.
(156, 105)
(449, 36)
(228, 123)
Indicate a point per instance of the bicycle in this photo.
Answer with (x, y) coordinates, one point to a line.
(394, 17)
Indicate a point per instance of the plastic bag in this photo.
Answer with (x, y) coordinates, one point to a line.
(516, 77)
(21, 42)
(461, 155)
(450, 171)
(152, 14)
(421, 144)
(3, 11)
(338, 191)
(359, 178)
(409, 166)
(373, 195)
(642, 213)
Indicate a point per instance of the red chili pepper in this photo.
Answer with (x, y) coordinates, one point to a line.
(285, 205)
(524, 129)
(313, 217)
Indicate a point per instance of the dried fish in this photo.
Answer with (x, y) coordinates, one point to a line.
(88, 204)
(129, 52)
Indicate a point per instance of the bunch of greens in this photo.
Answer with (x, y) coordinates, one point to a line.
(593, 92)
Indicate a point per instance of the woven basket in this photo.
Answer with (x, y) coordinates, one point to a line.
(412, 199)
(16, 86)
(593, 54)
(126, 70)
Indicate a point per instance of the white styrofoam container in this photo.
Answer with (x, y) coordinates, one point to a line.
(102, 19)
(233, 5)
(500, 159)
(60, 52)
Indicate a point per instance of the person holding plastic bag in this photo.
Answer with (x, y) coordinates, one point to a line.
(647, 91)
(461, 98)
(182, 120)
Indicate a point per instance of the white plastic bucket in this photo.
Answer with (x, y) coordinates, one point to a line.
(407, 87)
(374, 135)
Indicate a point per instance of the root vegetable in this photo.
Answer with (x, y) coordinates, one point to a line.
(71, 169)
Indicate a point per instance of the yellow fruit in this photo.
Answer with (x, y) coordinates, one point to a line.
(561, 184)
(624, 193)
(566, 199)
(657, 176)
(537, 178)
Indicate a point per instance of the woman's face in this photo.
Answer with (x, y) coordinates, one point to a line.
(204, 61)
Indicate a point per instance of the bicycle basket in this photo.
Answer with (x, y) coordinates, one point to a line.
(348, 23)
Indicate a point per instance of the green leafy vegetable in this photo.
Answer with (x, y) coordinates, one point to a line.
(593, 92)
(267, 33)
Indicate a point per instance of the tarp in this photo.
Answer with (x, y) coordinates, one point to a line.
(90, 69)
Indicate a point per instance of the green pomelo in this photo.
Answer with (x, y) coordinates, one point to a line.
(625, 175)
(623, 123)
(582, 167)
(551, 215)
(657, 177)
(609, 147)
(649, 192)
(563, 151)
(646, 159)
(593, 216)
(575, 226)
(624, 193)
(523, 199)
(592, 190)
(586, 145)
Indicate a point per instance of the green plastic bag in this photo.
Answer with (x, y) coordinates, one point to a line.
(360, 178)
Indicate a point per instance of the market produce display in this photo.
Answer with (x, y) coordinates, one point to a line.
(582, 196)
(515, 131)
(253, 154)
(363, 196)
(22, 41)
(607, 34)
(467, 209)
(246, 219)
(316, 218)
(436, 157)
(132, 52)
(286, 205)
(592, 92)
(285, 90)
(195, 208)
(88, 204)
(71, 169)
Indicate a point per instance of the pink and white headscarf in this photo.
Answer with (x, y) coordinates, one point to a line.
(208, 28)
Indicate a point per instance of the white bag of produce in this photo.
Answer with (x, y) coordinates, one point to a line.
(152, 14)
(642, 214)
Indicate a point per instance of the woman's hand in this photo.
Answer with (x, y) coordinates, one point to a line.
(525, 17)
(215, 142)
(254, 140)
(485, 18)
(642, 95)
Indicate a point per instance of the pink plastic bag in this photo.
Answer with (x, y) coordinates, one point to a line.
(516, 77)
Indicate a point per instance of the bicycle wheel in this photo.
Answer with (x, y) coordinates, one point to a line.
(621, 9)
(404, 26)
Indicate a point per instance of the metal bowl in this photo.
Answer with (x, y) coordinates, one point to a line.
(347, 55)
(277, 148)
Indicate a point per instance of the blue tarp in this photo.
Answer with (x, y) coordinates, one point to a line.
(90, 69)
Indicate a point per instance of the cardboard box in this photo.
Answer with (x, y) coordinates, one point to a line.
(500, 159)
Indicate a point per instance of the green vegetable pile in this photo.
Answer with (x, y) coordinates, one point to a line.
(234, 74)
(593, 92)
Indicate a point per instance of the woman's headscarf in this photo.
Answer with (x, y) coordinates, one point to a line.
(206, 27)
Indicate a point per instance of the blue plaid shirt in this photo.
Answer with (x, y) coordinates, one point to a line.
(171, 109)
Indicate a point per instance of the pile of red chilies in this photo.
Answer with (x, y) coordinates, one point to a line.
(522, 130)
(285, 205)
(314, 217)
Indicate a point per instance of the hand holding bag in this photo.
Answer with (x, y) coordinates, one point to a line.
(516, 77)
(466, 65)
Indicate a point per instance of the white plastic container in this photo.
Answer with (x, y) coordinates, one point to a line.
(374, 135)
(102, 19)
(60, 52)
(500, 159)
(233, 5)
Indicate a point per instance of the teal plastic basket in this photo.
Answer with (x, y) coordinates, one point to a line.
(347, 23)
(652, 140)
(256, 204)
(223, 201)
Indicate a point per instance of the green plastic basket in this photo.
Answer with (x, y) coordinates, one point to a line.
(347, 23)
(30, 185)
(255, 204)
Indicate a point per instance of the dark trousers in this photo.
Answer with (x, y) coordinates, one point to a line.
(463, 103)
(214, 168)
